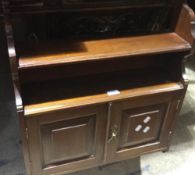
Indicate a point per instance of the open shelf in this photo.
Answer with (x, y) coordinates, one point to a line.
(62, 52)
(66, 93)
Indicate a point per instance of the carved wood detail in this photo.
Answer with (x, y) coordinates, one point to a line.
(12, 57)
(97, 114)
(108, 24)
(187, 19)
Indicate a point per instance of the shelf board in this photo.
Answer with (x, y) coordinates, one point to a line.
(45, 96)
(33, 109)
(64, 52)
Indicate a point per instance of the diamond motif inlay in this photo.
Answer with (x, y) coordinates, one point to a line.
(138, 128)
(145, 129)
(147, 119)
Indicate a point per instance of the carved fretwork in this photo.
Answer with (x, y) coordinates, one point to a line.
(98, 24)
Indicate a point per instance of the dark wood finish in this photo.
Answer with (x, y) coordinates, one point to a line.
(71, 103)
(67, 139)
(41, 6)
(140, 128)
(92, 68)
(45, 54)
(88, 100)
(187, 18)
(141, 123)
(40, 98)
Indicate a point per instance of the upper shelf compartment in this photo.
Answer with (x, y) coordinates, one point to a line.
(53, 53)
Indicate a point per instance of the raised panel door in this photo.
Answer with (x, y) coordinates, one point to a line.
(140, 125)
(67, 140)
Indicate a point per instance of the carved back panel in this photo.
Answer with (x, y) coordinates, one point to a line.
(93, 18)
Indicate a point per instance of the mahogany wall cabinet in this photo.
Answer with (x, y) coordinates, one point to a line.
(96, 82)
(71, 139)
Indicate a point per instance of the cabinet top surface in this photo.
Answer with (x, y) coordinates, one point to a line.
(34, 109)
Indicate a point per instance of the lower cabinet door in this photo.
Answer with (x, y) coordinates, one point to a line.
(140, 125)
(69, 140)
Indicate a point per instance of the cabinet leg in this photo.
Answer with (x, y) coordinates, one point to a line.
(166, 150)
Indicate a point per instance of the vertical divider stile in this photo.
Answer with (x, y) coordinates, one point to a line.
(107, 130)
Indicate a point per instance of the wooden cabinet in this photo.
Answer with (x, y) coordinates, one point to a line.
(96, 82)
(71, 139)
(67, 140)
(141, 125)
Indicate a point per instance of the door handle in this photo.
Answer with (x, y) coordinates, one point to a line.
(114, 134)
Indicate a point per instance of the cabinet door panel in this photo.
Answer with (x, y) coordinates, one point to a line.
(67, 141)
(141, 125)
